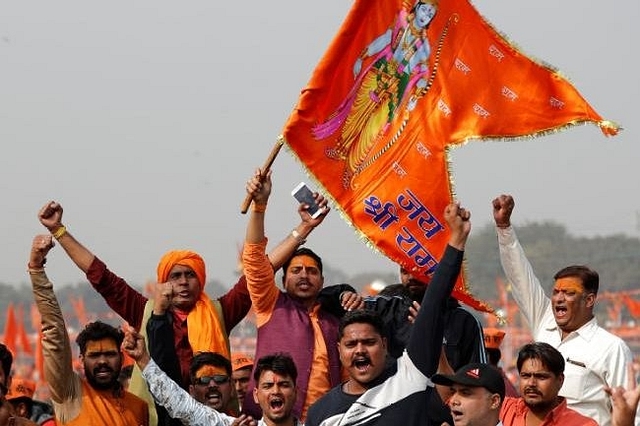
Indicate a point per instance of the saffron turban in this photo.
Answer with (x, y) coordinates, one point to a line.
(185, 258)
(204, 323)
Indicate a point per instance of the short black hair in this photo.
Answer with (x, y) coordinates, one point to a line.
(302, 251)
(98, 330)
(549, 356)
(280, 363)
(208, 358)
(6, 358)
(590, 278)
(361, 317)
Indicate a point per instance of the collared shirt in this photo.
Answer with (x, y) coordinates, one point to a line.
(514, 413)
(182, 406)
(594, 357)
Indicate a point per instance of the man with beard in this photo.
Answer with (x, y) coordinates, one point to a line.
(595, 358)
(99, 398)
(198, 322)
(275, 392)
(377, 393)
(541, 369)
(476, 395)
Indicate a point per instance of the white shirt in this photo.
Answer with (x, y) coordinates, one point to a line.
(594, 357)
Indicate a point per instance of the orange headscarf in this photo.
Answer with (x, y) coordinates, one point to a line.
(205, 328)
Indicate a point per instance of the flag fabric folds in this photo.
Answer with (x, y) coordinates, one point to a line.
(400, 84)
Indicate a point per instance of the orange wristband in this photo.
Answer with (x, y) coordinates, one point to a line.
(259, 208)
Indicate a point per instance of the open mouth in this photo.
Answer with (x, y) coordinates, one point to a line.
(304, 285)
(560, 311)
(213, 396)
(362, 364)
(276, 404)
(103, 373)
(456, 414)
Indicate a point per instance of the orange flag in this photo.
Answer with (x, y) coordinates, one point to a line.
(10, 330)
(23, 338)
(79, 310)
(633, 306)
(400, 84)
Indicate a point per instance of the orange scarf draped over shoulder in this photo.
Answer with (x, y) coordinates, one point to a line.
(205, 327)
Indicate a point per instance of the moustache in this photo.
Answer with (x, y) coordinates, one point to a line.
(102, 370)
(532, 390)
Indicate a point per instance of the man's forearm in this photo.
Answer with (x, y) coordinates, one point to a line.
(56, 348)
(526, 288)
(80, 255)
(178, 403)
(289, 245)
(426, 337)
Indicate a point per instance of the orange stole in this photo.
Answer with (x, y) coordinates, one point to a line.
(102, 408)
(390, 176)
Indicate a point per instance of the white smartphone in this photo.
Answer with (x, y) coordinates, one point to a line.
(304, 195)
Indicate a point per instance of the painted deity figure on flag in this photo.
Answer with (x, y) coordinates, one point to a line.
(395, 78)
(401, 84)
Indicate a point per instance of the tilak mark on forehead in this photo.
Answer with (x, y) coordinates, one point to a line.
(304, 260)
(210, 370)
(101, 346)
(569, 284)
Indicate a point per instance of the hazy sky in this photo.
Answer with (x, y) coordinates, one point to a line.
(145, 119)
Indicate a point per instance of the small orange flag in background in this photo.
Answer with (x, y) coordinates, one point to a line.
(23, 337)
(400, 84)
(10, 335)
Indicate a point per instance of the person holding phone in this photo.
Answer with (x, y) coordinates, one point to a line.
(190, 321)
(304, 195)
(292, 321)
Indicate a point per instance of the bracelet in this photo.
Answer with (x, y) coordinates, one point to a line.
(33, 271)
(259, 207)
(59, 232)
(298, 237)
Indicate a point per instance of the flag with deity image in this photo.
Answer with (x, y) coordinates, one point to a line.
(401, 83)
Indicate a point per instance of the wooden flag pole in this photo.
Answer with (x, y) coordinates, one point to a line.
(267, 165)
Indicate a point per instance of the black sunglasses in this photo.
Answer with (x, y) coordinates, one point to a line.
(218, 379)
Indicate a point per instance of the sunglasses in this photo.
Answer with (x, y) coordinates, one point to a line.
(218, 379)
